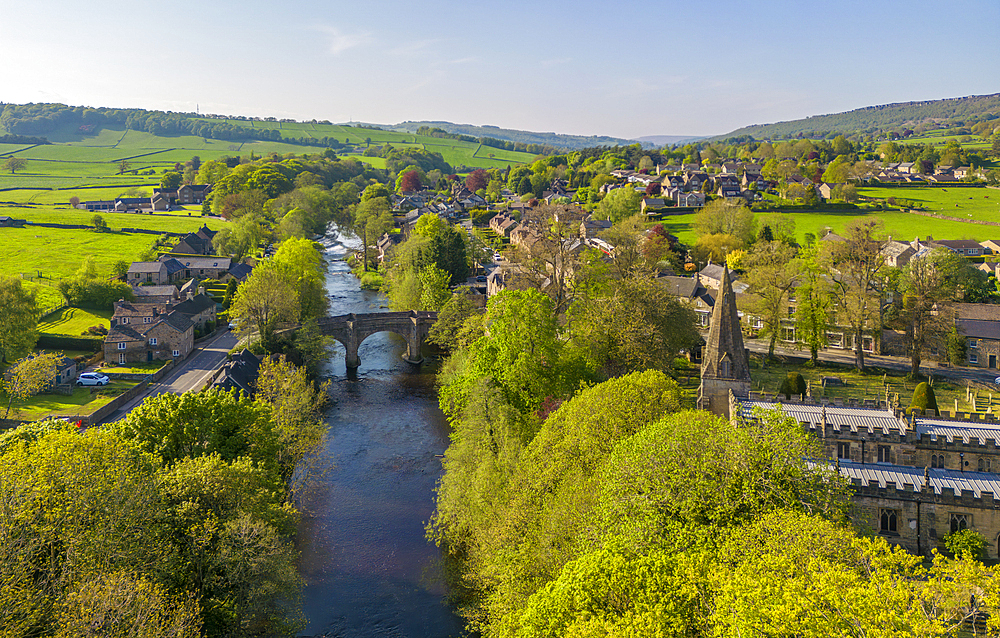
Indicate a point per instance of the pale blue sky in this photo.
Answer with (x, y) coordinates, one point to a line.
(589, 68)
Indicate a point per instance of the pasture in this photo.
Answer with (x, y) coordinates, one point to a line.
(974, 203)
(57, 253)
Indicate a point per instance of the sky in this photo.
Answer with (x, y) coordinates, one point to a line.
(625, 69)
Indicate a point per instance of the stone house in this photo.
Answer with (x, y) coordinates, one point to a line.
(209, 267)
(169, 336)
(128, 313)
(502, 224)
(980, 325)
(155, 294)
(193, 193)
(199, 308)
(148, 272)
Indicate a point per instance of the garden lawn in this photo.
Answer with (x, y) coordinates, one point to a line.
(74, 321)
(83, 401)
(144, 367)
(46, 297)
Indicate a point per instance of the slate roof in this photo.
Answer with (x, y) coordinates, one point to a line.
(179, 321)
(240, 373)
(145, 266)
(154, 291)
(868, 419)
(123, 333)
(195, 305)
(173, 266)
(980, 311)
(979, 328)
(912, 478)
(963, 432)
(240, 271)
(210, 261)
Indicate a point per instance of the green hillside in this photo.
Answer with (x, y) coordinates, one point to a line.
(880, 119)
(555, 141)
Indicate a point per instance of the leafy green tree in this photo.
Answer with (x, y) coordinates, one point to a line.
(229, 424)
(928, 285)
(715, 247)
(29, 376)
(772, 275)
(18, 333)
(231, 287)
(99, 224)
(170, 181)
(619, 204)
(722, 216)
(434, 291)
(267, 297)
(634, 325)
(453, 328)
(306, 268)
(812, 304)
(123, 167)
(966, 543)
(923, 397)
(372, 219)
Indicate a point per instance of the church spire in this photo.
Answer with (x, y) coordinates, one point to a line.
(725, 365)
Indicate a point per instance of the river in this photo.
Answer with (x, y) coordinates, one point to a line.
(368, 569)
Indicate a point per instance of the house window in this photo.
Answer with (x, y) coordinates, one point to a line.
(937, 461)
(844, 451)
(121, 345)
(883, 454)
(985, 465)
(960, 522)
(757, 323)
(124, 319)
(868, 344)
(121, 357)
(147, 320)
(152, 341)
(973, 357)
(787, 334)
(887, 520)
(835, 339)
(973, 343)
(791, 312)
(177, 353)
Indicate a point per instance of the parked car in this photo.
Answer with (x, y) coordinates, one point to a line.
(93, 378)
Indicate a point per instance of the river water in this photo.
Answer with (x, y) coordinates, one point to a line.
(367, 567)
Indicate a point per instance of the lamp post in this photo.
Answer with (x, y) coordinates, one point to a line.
(862, 450)
(961, 460)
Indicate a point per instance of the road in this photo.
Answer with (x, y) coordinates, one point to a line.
(190, 375)
(980, 375)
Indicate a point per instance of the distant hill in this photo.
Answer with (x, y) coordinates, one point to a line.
(554, 140)
(874, 119)
(669, 140)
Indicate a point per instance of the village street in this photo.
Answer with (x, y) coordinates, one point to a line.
(192, 374)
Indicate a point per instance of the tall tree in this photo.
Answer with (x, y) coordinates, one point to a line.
(17, 321)
(267, 297)
(29, 376)
(856, 266)
(928, 284)
(14, 164)
(812, 304)
(771, 274)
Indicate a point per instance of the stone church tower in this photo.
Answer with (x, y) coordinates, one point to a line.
(725, 365)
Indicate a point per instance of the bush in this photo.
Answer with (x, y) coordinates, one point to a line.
(96, 330)
(793, 385)
(965, 543)
(94, 293)
(923, 398)
(371, 281)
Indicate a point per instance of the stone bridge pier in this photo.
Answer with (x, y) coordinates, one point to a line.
(352, 329)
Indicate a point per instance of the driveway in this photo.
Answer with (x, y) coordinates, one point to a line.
(190, 375)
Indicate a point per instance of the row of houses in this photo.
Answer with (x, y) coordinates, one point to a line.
(161, 200)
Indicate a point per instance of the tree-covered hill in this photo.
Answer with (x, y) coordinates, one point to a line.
(963, 111)
(553, 140)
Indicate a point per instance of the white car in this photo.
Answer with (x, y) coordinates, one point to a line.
(997, 381)
(93, 378)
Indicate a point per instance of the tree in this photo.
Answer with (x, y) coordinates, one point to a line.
(722, 216)
(372, 219)
(267, 297)
(99, 224)
(410, 182)
(120, 268)
(619, 204)
(923, 397)
(626, 236)
(771, 275)
(170, 181)
(124, 167)
(715, 247)
(14, 164)
(928, 284)
(452, 330)
(306, 268)
(813, 304)
(18, 320)
(547, 261)
(856, 267)
(635, 325)
(477, 179)
(74, 201)
(29, 376)
(231, 287)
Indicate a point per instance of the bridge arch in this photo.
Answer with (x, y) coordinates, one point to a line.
(352, 329)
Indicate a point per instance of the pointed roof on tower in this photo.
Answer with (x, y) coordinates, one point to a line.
(724, 355)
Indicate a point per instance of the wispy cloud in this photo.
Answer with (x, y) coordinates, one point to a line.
(413, 48)
(340, 41)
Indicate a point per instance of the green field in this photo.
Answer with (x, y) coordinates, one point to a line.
(74, 321)
(57, 253)
(974, 203)
(46, 296)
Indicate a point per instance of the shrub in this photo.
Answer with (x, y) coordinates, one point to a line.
(793, 385)
(923, 398)
(965, 543)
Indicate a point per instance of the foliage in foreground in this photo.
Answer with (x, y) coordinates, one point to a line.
(174, 522)
(617, 514)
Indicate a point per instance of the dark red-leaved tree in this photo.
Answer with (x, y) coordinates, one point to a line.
(654, 188)
(477, 179)
(410, 182)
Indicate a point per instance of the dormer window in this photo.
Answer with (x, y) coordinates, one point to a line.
(147, 320)
(124, 319)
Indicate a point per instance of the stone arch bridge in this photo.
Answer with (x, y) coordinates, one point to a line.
(352, 329)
